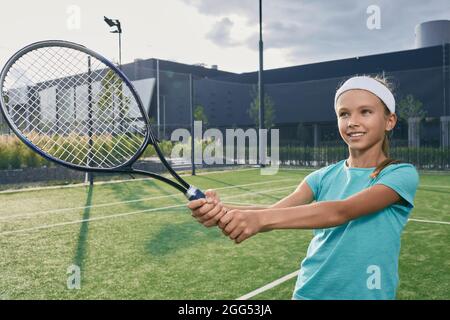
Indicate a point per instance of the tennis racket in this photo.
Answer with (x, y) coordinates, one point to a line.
(75, 108)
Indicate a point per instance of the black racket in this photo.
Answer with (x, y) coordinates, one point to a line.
(74, 107)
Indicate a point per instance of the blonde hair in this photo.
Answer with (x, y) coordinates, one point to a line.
(385, 146)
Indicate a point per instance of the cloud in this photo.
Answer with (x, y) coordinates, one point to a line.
(318, 30)
(220, 7)
(220, 33)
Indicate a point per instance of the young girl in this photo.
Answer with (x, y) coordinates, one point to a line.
(361, 205)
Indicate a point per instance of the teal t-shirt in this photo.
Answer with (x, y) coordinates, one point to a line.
(359, 259)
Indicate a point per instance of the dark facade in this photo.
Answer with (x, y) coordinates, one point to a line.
(303, 95)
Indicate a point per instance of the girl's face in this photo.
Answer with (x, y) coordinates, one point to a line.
(362, 119)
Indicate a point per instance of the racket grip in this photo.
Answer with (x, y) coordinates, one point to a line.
(193, 194)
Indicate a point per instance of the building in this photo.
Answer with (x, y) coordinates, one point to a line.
(303, 95)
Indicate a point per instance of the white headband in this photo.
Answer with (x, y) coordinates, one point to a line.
(371, 85)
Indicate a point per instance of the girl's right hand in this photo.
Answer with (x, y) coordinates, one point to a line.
(208, 211)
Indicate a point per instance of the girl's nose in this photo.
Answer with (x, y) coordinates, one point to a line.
(352, 122)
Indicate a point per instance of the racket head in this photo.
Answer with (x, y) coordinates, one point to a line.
(74, 107)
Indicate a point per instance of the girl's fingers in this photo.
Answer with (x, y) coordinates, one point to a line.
(199, 212)
(211, 213)
(194, 204)
(214, 220)
(226, 218)
(212, 195)
(235, 233)
(241, 238)
(205, 209)
(230, 227)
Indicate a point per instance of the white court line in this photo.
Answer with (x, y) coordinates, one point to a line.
(12, 216)
(269, 286)
(429, 221)
(298, 169)
(432, 186)
(86, 220)
(133, 212)
(247, 204)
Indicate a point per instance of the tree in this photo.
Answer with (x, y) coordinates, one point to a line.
(269, 109)
(111, 97)
(3, 124)
(409, 107)
(199, 115)
(152, 121)
(410, 111)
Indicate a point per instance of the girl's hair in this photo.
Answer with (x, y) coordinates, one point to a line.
(385, 146)
(381, 79)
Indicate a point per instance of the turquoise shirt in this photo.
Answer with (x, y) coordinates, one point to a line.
(359, 259)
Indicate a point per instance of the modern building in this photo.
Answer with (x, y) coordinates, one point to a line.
(302, 96)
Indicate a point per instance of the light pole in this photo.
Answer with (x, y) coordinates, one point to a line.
(116, 28)
(262, 151)
(164, 117)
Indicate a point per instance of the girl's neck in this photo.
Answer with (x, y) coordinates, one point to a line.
(365, 159)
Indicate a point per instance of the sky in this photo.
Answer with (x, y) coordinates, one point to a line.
(223, 33)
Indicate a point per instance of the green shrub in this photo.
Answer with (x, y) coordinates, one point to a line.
(14, 154)
(5, 155)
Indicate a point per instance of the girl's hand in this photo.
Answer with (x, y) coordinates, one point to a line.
(207, 211)
(212, 194)
(240, 225)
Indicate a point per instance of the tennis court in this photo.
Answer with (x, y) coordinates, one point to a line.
(136, 240)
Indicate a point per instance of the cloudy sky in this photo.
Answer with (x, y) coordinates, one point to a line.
(222, 32)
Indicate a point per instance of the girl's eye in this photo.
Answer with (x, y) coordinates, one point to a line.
(366, 111)
(343, 114)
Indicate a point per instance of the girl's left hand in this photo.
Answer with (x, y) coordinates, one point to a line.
(239, 225)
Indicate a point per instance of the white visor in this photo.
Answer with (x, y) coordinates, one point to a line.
(371, 85)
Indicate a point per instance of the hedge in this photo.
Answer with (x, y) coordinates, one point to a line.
(15, 155)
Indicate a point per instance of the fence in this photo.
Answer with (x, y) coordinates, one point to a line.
(302, 112)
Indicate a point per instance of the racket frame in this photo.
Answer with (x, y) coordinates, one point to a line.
(190, 191)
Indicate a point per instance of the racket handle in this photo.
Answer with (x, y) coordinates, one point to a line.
(193, 194)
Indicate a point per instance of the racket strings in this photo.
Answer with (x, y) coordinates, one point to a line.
(65, 87)
(69, 153)
(74, 107)
(101, 126)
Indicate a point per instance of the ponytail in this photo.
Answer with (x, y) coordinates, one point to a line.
(385, 145)
(388, 161)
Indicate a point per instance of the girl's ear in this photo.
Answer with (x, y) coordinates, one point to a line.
(391, 122)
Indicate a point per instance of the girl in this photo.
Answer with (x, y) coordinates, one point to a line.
(361, 205)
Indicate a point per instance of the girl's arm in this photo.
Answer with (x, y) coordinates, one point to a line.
(210, 211)
(301, 195)
(240, 225)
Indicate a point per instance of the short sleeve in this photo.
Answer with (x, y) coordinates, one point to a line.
(313, 180)
(403, 179)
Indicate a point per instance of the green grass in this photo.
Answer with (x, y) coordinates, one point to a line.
(130, 246)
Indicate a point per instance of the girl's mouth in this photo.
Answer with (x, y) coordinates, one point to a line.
(355, 135)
